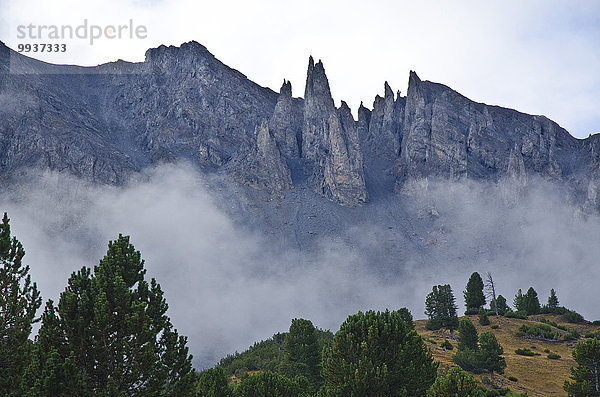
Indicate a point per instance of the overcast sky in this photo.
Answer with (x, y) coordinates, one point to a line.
(540, 57)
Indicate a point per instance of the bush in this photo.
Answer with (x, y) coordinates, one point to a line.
(526, 352)
(447, 345)
(471, 311)
(546, 350)
(571, 334)
(483, 318)
(455, 383)
(553, 356)
(513, 379)
(593, 335)
(433, 324)
(468, 360)
(573, 317)
(274, 384)
(518, 314)
(538, 331)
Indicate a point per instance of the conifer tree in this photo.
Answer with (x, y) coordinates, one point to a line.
(19, 301)
(377, 354)
(474, 297)
(519, 301)
(552, 301)
(586, 375)
(456, 383)
(441, 309)
(213, 383)
(111, 335)
(467, 335)
(531, 302)
(501, 303)
(302, 352)
(490, 353)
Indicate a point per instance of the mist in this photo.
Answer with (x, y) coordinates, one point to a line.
(229, 285)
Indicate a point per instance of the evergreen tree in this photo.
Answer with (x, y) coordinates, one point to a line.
(502, 306)
(490, 353)
(111, 328)
(441, 309)
(213, 383)
(270, 384)
(483, 317)
(474, 297)
(586, 375)
(552, 301)
(467, 335)
(519, 301)
(531, 303)
(302, 352)
(19, 301)
(377, 354)
(456, 383)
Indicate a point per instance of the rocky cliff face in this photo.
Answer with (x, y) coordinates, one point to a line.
(330, 146)
(106, 122)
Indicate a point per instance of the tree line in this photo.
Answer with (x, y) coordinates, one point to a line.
(109, 335)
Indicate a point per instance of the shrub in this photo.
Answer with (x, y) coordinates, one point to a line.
(483, 318)
(546, 350)
(571, 334)
(471, 311)
(518, 314)
(447, 345)
(573, 317)
(513, 379)
(553, 356)
(495, 326)
(526, 352)
(539, 331)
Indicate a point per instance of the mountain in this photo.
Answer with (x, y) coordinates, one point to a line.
(106, 122)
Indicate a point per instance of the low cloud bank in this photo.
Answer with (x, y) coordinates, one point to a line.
(227, 287)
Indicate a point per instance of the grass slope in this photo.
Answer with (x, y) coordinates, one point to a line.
(536, 375)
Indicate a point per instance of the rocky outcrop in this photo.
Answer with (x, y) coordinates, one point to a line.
(449, 136)
(286, 122)
(385, 127)
(330, 146)
(259, 163)
(107, 122)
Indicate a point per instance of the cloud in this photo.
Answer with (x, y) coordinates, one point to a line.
(229, 285)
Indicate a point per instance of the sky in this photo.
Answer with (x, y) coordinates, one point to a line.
(539, 57)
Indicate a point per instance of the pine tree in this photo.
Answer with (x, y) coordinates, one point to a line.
(501, 303)
(519, 301)
(377, 354)
(213, 383)
(552, 301)
(474, 297)
(456, 383)
(111, 328)
(441, 309)
(531, 303)
(19, 302)
(586, 375)
(270, 384)
(467, 335)
(302, 352)
(490, 353)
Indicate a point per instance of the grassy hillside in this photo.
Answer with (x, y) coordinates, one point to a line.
(536, 375)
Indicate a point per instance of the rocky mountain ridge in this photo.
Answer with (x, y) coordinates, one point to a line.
(107, 122)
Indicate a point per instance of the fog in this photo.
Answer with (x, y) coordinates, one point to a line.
(228, 286)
